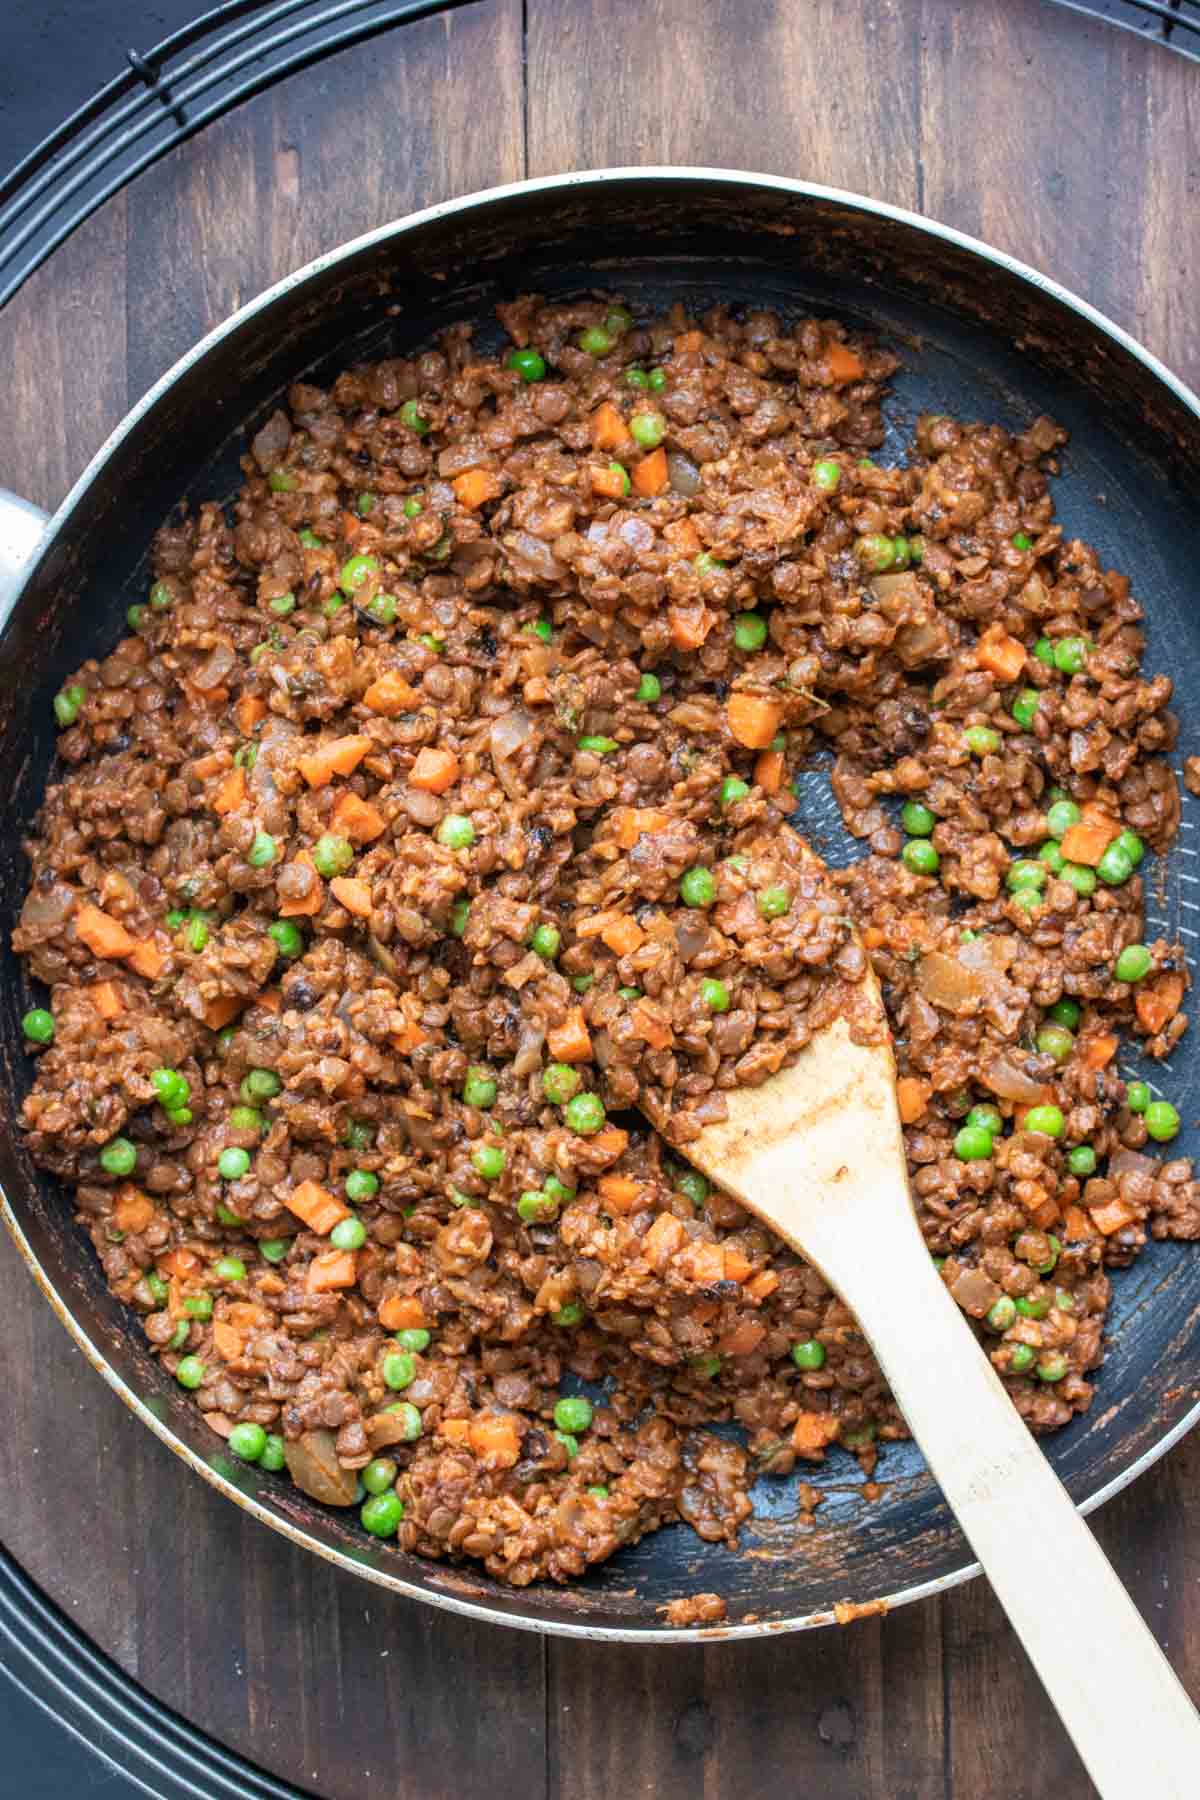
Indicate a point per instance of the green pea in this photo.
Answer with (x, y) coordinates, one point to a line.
(616, 468)
(559, 1082)
(232, 1164)
(171, 1087)
(1080, 877)
(309, 539)
(229, 1268)
(1162, 1121)
(1061, 816)
(1051, 854)
(118, 1157)
(981, 740)
(355, 571)
(630, 993)
(199, 1306)
(1024, 707)
(1002, 1314)
(358, 1135)
(693, 1186)
(618, 321)
(705, 1368)
(274, 1456)
(637, 378)
(920, 857)
(479, 1088)
(972, 1143)
(1137, 1096)
(916, 819)
(733, 789)
(1053, 1367)
(826, 476)
(528, 365)
(261, 1084)
(1046, 1119)
(274, 1249)
(1071, 654)
(715, 995)
(282, 605)
(379, 1475)
(456, 832)
(134, 616)
(649, 689)
(1055, 1041)
(599, 746)
(570, 1444)
(67, 704)
(1134, 963)
(280, 482)
(381, 1515)
(876, 551)
(1115, 866)
(460, 912)
(749, 631)
(488, 1161)
(598, 1491)
(987, 1118)
(412, 507)
(536, 1208)
(657, 379)
(415, 1338)
(1044, 651)
(808, 1354)
(38, 1025)
(225, 1215)
(581, 983)
(190, 1372)
(774, 902)
(1082, 1160)
(595, 341)
(570, 1314)
(1027, 874)
(286, 938)
(413, 419)
(704, 564)
(263, 850)
(332, 855)
(161, 597)
(558, 1190)
(1132, 845)
(348, 1234)
(573, 1413)
(1048, 1267)
(180, 1335)
(246, 1118)
(585, 1114)
(697, 887)
(197, 933)
(1021, 540)
(398, 1369)
(1021, 1358)
(409, 1417)
(1033, 1309)
(364, 505)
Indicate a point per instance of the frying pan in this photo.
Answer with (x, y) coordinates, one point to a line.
(980, 336)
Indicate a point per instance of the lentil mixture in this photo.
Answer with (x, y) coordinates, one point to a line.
(426, 837)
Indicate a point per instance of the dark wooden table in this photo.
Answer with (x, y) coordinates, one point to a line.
(1071, 145)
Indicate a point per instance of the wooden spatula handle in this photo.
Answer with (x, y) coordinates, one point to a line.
(1130, 1719)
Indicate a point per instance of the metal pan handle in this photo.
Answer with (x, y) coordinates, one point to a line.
(22, 530)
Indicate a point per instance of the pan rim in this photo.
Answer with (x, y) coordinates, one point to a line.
(478, 200)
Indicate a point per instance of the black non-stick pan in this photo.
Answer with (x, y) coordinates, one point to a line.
(980, 336)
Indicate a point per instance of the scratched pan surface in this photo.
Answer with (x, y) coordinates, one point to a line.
(979, 338)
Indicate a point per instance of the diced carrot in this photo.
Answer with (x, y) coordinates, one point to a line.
(316, 1206)
(357, 819)
(703, 1312)
(332, 1269)
(1158, 1000)
(743, 1340)
(1045, 1216)
(390, 694)
(354, 895)
(844, 364)
(811, 1432)
(455, 1431)
(623, 936)
(690, 625)
(633, 822)
(873, 938)
(737, 1263)
(1092, 813)
(311, 903)
(768, 771)
(106, 999)
(409, 1038)
(213, 696)
(434, 770)
(610, 484)
(248, 711)
(180, 1262)
(1098, 1052)
(663, 1238)
(146, 959)
(231, 792)
(689, 340)
(1087, 841)
(132, 1210)
(620, 1192)
(475, 487)
(271, 1000)
(762, 1285)
(226, 1341)
(103, 936)
(247, 1315)
(912, 1097)
(495, 1440)
(702, 1262)
(1077, 1224)
(648, 1024)
(683, 538)
(608, 428)
(402, 1312)
(594, 924)
(753, 719)
(341, 756)
(1001, 655)
(223, 1010)
(609, 1143)
(1112, 1215)
(650, 474)
(570, 1042)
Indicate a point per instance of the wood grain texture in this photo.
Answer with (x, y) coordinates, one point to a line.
(1067, 144)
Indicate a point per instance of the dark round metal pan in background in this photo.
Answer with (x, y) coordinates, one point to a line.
(980, 337)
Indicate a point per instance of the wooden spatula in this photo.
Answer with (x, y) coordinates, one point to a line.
(817, 1154)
